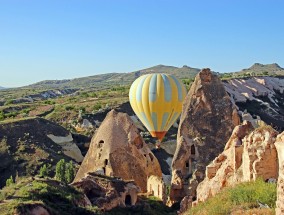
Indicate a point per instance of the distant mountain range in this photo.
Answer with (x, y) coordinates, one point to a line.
(2, 88)
(258, 69)
(185, 72)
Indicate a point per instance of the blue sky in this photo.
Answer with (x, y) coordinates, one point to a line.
(60, 39)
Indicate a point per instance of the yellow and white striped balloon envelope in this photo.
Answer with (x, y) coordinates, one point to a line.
(157, 101)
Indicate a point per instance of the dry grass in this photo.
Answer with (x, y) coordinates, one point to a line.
(241, 199)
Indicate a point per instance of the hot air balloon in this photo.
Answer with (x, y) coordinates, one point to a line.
(157, 100)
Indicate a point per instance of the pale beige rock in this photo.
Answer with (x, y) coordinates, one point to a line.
(246, 157)
(247, 89)
(260, 155)
(118, 149)
(69, 147)
(255, 122)
(279, 144)
(156, 187)
(206, 123)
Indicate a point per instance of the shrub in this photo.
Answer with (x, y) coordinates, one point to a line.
(84, 94)
(60, 171)
(26, 110)
(83, 110)
(49, 102)
(69, 107)
(65, 172)
(69, 172)
(94, 95)
(2, 116)
(97, 106)
(9, 181)
(44, 171)
(11, 114)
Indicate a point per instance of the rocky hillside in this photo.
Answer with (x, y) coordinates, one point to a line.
(26, 145)
(260, 96)
(262, 69)
(184, 72)
(116, 78)
(32, 97)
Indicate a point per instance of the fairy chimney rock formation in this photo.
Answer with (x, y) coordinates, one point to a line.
(280, 184)
(207, 120)
(247, 156)
(117, 149)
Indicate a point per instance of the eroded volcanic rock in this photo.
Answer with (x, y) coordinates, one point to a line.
(117, 149)
(247, 156)
(260, 96)
(207, 120)
(280, 184)
(107, 192)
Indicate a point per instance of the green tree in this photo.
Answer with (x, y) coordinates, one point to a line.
(44, 170)
(2, 116)
(60, 170)
(69, 172)
(9, 181)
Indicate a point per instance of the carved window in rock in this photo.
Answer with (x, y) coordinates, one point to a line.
(192, 150)
(187, 164)
(128, 200)
(151, 156)
(104, 169)
(100, 144)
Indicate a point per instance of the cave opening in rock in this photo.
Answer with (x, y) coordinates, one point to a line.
(127, 200)
(187, 164)
(104, 169)
(101, 142)
(192, 150)
(151, 156)
(106, 162)
(93, 195)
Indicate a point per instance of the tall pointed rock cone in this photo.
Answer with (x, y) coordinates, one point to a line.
(117, 149)
(207, 120)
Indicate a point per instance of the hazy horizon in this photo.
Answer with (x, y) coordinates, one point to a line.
(55, 40)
